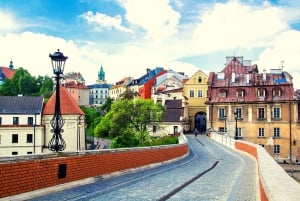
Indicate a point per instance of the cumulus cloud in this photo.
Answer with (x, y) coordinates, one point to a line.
(105, 21)
(233, 24)
(156, 17)
(284, 51)
(8, 22)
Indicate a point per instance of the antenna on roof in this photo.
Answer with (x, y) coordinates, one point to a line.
(281, 64)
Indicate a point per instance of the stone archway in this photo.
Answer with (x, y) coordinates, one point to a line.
(200, 122)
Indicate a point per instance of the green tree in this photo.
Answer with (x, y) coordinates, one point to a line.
(23, 83)
(7, 88)
(45, 85)
(92, 118)
(107, 105)
(131, 117)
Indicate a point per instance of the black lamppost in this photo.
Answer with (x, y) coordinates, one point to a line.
(236, 129)
(57, 143)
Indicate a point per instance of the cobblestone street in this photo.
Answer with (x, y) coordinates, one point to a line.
(210, 172)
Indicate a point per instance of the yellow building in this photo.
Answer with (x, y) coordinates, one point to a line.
(195, 92)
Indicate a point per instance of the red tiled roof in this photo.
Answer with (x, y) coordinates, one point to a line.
(67, 104)
(248, 80)
(8, 72)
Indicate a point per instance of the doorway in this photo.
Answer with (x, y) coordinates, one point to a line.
(200, 122)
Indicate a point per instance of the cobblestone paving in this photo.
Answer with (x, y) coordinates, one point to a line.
(232, 178)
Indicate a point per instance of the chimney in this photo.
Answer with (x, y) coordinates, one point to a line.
(264, 75)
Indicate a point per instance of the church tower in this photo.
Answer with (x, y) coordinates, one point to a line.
(101, 76)
(11, 66)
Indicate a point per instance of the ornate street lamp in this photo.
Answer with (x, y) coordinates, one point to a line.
(57, 143)
(236, 129)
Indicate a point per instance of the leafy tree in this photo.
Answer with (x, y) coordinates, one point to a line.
(45, 86)
(7, 88)
(128, 95)
(107, 105)
(130, 117)
(23, 83)
(92, 118)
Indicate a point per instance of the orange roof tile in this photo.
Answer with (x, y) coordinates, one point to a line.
(67, 104)
(8, 72)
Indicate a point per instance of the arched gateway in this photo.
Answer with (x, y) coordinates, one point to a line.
(200, 122)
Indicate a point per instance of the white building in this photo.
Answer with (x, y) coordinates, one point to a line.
(74, 121)
(21, 130)
(25, 124)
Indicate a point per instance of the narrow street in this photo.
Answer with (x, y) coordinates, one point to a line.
(210, 172)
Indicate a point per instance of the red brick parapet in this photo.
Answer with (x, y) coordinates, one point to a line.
(28, 173)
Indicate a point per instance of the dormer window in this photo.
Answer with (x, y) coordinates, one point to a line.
(240, 93)
(261, 92)
(276, 92)
(223, 93)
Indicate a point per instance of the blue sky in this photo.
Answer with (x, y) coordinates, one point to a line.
(128, 36)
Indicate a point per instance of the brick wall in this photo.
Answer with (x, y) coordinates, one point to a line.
(36, 172)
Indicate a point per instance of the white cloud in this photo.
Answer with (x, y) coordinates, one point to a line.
(104, 21)
(285, 47)
(233, 24)
(156, 17)
(7, 22)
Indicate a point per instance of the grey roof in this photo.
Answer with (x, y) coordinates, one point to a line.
(21, 104)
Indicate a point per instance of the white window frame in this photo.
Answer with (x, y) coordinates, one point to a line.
(276, 114)
(276, 149)
(276, 132)
(261, 132)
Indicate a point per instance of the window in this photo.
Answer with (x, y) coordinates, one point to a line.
(192, 94)
(240, 93)
(261, 92)
(15, 120)
(0, 120)
(222, 129)
(154, 129)
(175, 129)
(223, 93)
(221, 113)
(0, 139)
(276, 92)
(14, 153)
(14, 138)
(239, 112)
(276, 113)
(200, 93)
(261, 132)
(29, 138)
(261, 113)
(30, 121)
(276, 132)
(276, 149)
(199, 79)
(29, 152)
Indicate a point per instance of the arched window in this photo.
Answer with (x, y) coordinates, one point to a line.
(240, 93)
(200, 79)
(261, 92)
(223, 93)
(276, 91)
